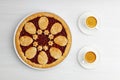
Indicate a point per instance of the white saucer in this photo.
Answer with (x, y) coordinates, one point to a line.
(82, 23)
(81, 60)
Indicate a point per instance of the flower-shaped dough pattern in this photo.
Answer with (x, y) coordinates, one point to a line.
(50, 36)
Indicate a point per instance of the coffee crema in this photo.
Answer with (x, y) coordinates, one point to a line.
(91, 22)
(90, 57)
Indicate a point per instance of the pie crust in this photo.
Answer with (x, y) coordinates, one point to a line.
(43, 40)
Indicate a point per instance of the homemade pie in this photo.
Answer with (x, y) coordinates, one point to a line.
(43, 40)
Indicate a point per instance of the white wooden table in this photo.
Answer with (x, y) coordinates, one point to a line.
(107, 39)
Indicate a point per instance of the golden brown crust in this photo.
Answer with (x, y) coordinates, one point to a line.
(39, 48)
(30, 28)
(61, 40)
(50, 43)
(51, 36)
(42, 58)
(45, 48)
(35, 44)
(56, 28)
(17, 41)
(46, 32)
(43, 23)
(35, 37)
(25, 40)
(39, 31)
(30, 53)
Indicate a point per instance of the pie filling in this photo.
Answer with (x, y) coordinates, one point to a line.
(43, 40)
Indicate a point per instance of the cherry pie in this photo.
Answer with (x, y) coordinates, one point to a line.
(43, 40)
